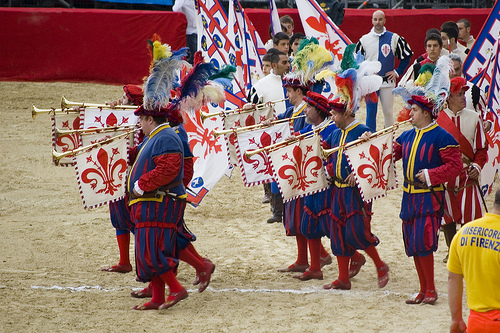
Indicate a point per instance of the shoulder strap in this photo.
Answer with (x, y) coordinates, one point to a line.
(445, 122)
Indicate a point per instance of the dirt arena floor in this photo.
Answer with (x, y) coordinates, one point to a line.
(52, 250)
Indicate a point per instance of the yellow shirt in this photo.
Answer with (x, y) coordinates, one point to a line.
(475, 254)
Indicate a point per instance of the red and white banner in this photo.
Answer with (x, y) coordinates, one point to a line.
(101, 118)
(257, 169)
(317, 24)
(243, 119)
(101, 173)
(210, 154)
(373, 166)
(66, 142)
(299, 168)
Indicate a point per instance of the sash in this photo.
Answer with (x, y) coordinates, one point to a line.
(445, 122)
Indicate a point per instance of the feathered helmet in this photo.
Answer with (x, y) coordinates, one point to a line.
(310, 59)
(319, 101)
(355, 78)
(165, 96)
(431, 88)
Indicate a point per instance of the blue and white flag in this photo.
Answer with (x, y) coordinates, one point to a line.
(484, 46)
(275, 18)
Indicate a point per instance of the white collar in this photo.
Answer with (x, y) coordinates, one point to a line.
(354, 122)
(296, 108)
(321, 124)
(431, 124)
(377, 34)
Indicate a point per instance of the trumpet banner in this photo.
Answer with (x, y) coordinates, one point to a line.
(67, 142)
(299, 168)
(257, 169)
(238, 120)
(101, 173)
(373, 166)
(101, 118)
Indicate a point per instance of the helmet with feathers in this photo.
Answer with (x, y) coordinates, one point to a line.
(165, 95)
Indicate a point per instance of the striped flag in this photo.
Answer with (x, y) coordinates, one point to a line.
(317, 24)
(484, 46)
(249, 67)
(275, 19)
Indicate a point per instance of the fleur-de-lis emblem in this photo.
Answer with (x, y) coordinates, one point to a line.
(301, 169)
(262, 162)
(376, 167)
(69, 141)
(110, 172)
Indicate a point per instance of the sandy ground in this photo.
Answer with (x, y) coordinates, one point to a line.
(51, 252)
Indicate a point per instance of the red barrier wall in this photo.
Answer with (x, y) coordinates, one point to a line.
(409, 23)
(88, 45)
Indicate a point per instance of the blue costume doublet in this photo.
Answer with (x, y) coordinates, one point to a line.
(316, 215)
(157, 220)
(350, 228)
(421, 210)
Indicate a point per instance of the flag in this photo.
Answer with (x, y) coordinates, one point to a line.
(275, 18)
(257, 169)
(210, 161)
(249, 69)
(317, 24)
(243, 119)
(215, 44)
(483, 48)
(101, 173)
(490, 170)
(373, 166)
(299, 168)
(217, 12)
(66, 142)
(488, 80)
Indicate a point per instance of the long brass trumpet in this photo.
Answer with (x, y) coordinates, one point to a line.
(60, 132)
(36, 111)
(56, 156)
(287, 142)
(204, 115)
(252, 127)
(69, 104)
(328, 152)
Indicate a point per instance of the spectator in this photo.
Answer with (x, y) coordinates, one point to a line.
(464, 36)
(449, 34)
(287, 22)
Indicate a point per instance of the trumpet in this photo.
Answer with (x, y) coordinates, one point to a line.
(277, 145)
(60, 132)
(36, 111)
(56, 156)
(204, 115)
(252, 127)
(65, 104)
(327, 152)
